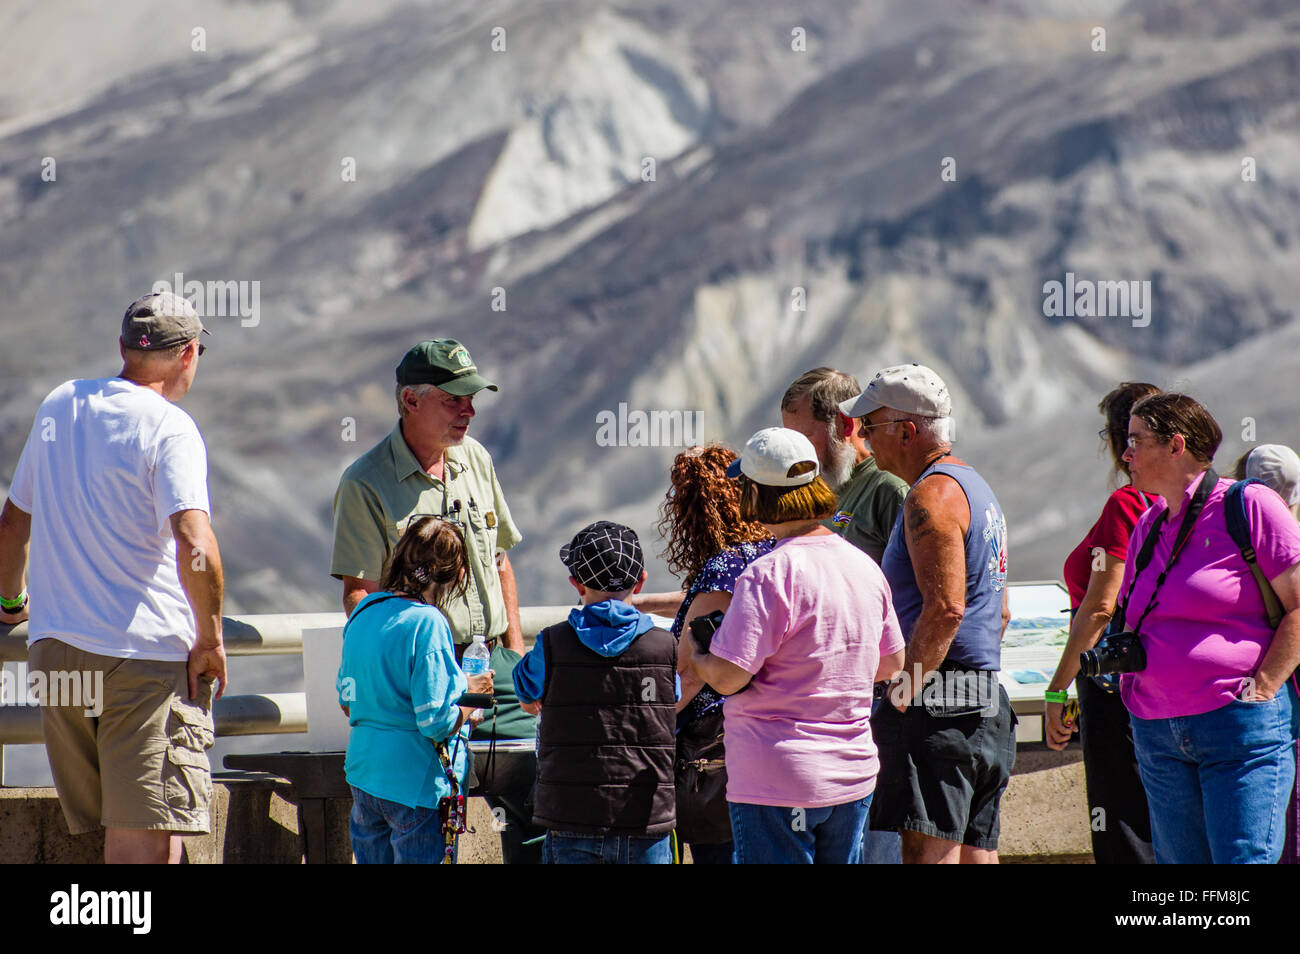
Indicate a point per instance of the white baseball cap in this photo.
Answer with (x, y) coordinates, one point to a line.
(910, 388)
(769, 456)
(1279, 467)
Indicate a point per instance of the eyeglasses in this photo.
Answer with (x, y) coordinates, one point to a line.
(1104, 433)
(1134, 440)
(867, 427)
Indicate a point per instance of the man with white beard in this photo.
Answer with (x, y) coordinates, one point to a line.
(869, 498)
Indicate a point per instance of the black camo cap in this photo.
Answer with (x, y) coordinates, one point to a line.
(604, 556)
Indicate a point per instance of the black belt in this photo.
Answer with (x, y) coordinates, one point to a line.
(881, 689)
(949, 666)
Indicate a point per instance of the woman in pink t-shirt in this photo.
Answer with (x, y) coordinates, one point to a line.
(1213, 709)
(810, 629)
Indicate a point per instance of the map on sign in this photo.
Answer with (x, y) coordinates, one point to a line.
(1035, 637)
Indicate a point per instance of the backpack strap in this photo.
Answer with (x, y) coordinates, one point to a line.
(1234, 508)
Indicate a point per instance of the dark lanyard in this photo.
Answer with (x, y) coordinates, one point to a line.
(1194, 507)
(382, 599)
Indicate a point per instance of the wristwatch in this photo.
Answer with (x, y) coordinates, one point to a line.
(15, 605)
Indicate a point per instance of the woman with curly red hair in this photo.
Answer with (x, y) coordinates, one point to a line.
(709, 545)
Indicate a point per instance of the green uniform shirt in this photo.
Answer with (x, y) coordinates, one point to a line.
(512, 722)
(868, 506)
(386, 487)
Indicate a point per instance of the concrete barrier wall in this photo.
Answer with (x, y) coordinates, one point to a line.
(1044, 818)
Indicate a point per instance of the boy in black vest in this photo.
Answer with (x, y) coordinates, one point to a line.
(607, 681)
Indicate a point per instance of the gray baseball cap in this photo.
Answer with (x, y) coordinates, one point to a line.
(910, 388)
(160, 320)
(1279, 467)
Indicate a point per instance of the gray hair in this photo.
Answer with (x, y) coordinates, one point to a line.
(420, 391)
(936, 429)
(826, 389)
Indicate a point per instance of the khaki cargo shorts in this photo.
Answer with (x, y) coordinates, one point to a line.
(142, 761)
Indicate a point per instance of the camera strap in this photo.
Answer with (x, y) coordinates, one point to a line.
(450, 807)
(1209, 481)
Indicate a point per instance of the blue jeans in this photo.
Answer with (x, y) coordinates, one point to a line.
(1218, 783)
(573, 848)
(882, 847)
(770, 835)
(386, 833)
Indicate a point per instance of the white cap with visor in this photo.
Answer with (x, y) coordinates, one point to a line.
(770, 456)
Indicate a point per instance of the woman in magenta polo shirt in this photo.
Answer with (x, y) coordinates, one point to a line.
(1214, 711)
(810, 629)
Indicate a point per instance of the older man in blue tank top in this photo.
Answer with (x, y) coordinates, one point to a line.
(947, 741)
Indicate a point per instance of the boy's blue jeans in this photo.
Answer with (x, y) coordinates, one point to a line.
(572, 848)
(769, 835)
(1218, 783)
(387, 833)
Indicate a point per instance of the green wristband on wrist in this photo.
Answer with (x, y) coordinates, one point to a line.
(1061, 696)
(14, 604)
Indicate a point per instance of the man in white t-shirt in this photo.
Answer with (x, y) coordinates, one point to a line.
(124, 637)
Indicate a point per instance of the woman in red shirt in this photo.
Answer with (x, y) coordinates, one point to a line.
(1117, 805)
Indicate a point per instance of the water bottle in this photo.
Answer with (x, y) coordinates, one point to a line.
(475, 661)
(476, 658)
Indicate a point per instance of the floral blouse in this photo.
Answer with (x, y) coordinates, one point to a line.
(718, 575)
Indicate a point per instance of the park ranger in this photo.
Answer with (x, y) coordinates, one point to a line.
(430, 465)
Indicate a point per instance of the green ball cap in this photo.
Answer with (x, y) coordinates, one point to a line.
(444, 363)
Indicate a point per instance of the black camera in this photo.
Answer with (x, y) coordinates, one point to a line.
(1121, 652)
(703, 628)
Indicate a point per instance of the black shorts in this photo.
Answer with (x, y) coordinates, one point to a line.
(943, 776)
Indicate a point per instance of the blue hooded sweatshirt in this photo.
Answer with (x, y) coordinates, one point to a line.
(607, 628)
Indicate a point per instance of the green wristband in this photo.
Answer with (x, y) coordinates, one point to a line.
(1061, 697)
(16, 603)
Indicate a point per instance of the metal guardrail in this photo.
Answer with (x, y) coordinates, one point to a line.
(270, 713)
(278, 634)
